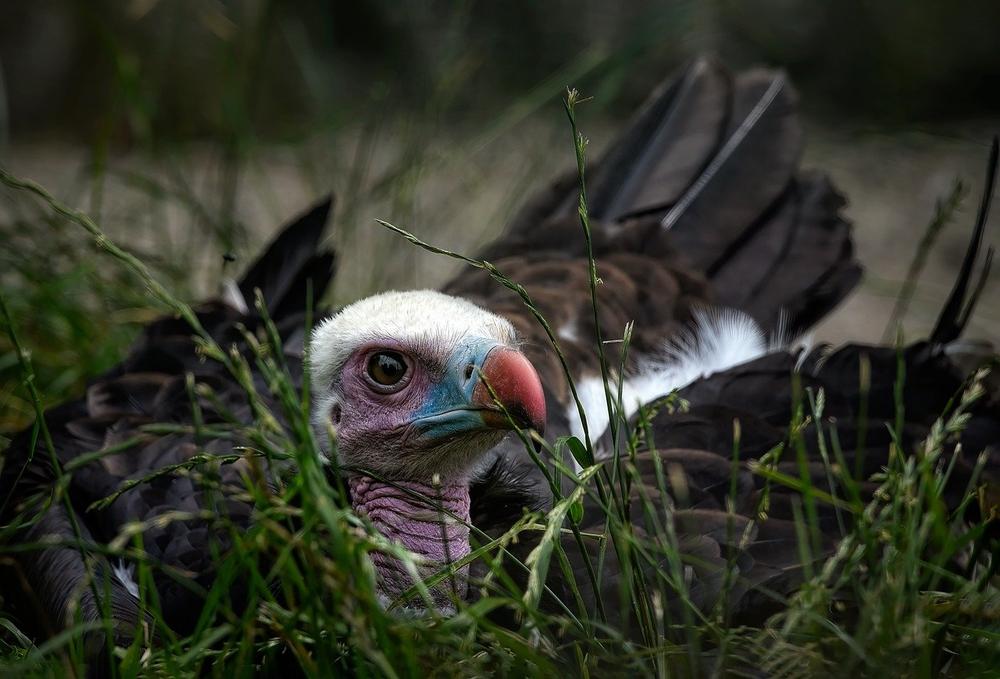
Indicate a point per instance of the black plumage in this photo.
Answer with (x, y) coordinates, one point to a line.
(151, 386)
(737, 417)
(700, 202)
(713, 159)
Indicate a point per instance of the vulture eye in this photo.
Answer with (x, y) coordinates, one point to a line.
(387, 368)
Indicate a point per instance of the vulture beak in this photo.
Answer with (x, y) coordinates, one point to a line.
(508, 382)
(489, 386)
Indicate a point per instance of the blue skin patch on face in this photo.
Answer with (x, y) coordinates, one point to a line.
(448, 409)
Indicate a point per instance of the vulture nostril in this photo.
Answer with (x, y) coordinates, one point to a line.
(469, 370)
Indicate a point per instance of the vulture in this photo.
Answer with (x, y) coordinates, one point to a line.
(713, 253)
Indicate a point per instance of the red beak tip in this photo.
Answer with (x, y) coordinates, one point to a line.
(516, 385)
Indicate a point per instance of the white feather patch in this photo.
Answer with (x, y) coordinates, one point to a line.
(568, 332)
(593, 400)
(125, 573)
(719, 339)
(233, 296)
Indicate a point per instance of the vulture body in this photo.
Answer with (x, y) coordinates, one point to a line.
(706, 235)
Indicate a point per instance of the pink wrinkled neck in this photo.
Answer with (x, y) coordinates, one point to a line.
(435, 528)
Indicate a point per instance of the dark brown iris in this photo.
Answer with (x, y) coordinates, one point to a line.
(386, 368)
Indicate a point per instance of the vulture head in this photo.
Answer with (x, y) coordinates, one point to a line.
(418, 386)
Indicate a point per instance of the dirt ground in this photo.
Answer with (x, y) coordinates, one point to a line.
(892, 184)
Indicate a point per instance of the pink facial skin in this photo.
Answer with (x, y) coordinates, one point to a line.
(373, 431)
(407, 447)
(436, 530)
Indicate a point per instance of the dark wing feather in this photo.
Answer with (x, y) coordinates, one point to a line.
(280, 272)
(751, 169)
(667, 145)
(151, 386)
(956, 312)
(697, 202)
(715, 156)
(720, 514)
(56, 578)
(797, 261)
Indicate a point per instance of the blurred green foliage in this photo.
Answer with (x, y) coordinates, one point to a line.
(165, 70)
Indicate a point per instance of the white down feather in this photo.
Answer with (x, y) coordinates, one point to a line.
(719, 339)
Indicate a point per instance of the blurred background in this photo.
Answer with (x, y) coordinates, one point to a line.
(191, 129)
